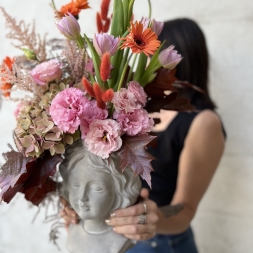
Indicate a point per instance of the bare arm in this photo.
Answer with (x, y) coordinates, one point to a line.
(199, 159)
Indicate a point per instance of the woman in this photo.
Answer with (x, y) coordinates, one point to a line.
(189, 148)
(94, 187)
(188, 151)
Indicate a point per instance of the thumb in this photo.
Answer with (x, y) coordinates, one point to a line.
(144, 193)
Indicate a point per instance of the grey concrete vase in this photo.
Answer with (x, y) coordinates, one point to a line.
(94, 188)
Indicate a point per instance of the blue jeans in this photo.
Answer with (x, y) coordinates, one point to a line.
(181, 243)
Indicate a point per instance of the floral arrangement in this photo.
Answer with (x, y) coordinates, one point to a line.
(99, 90)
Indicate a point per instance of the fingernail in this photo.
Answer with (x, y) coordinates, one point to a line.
(108, 221)
(73, 221)
(114, 229)
(112, 214)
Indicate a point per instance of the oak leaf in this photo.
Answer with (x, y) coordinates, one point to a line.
(133, 153)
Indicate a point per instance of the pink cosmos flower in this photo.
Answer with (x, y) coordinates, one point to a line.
(138, 91)
(104, 42)
(125, 100)
(134, 123)
(47, 72)
(90, 113)
(169, 58)
(103, 137)
(69, 27)
(66, 109)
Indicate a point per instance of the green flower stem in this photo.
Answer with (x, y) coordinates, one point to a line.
(150, 9)
(123, 73)
(130, 9)
(131, 69)
(92, 78)
(123, 62)
(80, 42)
(53, 5)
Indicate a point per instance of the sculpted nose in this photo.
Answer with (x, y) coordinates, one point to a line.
(84, 195)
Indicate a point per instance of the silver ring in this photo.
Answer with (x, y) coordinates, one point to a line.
(142, 219)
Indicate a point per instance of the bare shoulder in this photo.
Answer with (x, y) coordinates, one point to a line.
(207, 121)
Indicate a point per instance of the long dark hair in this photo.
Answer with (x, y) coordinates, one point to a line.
(189, 41)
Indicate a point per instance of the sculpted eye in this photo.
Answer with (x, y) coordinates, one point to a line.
(76, 186)
(96, 188)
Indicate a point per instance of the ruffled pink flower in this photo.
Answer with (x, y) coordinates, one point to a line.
(125, 100)
(103, 137)
(66, 109)
(47, 72)
(134, 123)
(169, 58)
(105, 43)
(90, 113)
(138, 91)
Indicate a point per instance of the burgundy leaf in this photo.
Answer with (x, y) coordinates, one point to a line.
(32, 180)
(162, 94)
(133, 153)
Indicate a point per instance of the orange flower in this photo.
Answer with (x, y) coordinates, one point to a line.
(9, 62)
(6, 87)
(74, 7)
(141, 41)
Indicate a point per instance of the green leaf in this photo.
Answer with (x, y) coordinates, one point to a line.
(96, 60)
(140, 67)
(117, 27)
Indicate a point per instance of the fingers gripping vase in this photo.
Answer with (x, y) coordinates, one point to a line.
(95, 187)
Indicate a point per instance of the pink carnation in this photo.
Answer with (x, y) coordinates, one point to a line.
(66, 109)
(90, 113)
(47, 72)
(125, 100)
(134, 123)
(103, 137)
(138, 92)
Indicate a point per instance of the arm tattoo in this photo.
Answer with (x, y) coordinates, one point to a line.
(169, 210)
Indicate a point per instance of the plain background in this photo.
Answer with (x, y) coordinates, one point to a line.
(224, 221)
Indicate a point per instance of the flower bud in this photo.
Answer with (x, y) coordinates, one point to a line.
(69, 27)
(30, 55)
(169, 58)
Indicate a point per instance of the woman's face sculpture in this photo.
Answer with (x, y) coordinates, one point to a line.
(90, 191)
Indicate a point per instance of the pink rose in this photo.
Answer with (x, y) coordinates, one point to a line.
(66, 109)
(125, 100)
(47, 72)
(103, 137)
(138, 92)
(134, 123)
(90, 113)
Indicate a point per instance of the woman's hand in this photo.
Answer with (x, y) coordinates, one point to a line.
(127, 221)
(68, 214)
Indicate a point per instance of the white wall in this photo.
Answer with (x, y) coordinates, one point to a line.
(224, 221)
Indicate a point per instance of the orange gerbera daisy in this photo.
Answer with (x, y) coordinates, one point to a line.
(141, 41)
(5, 87)
(74, 7)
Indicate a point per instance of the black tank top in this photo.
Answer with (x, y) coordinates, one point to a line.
(167, 151)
